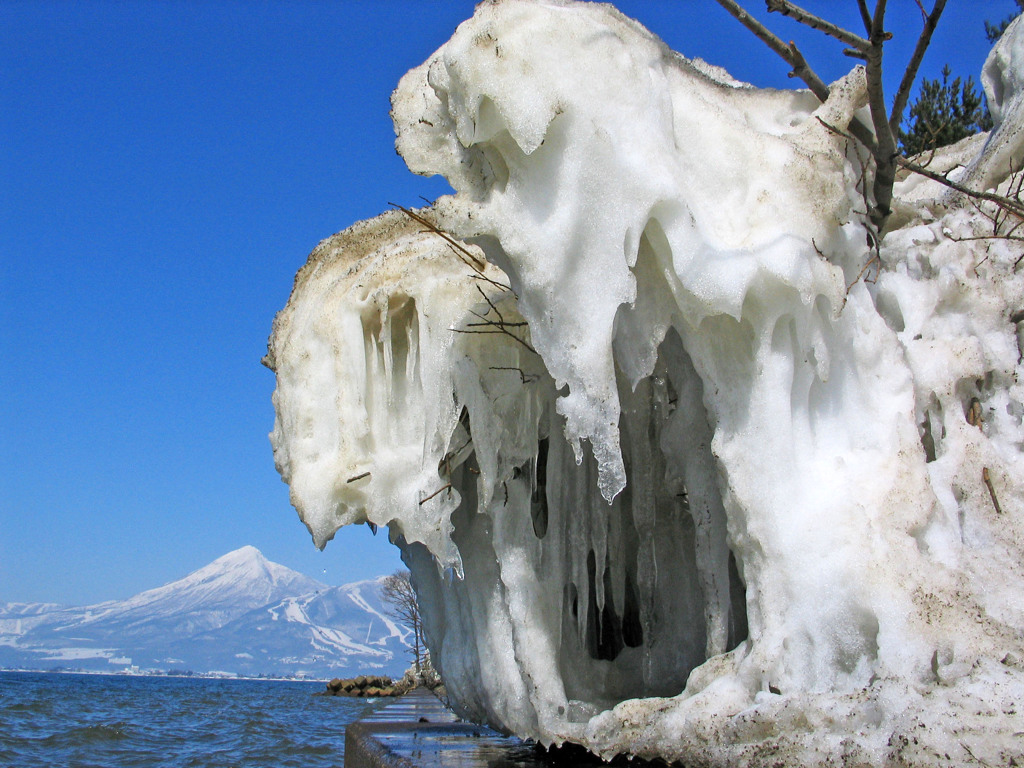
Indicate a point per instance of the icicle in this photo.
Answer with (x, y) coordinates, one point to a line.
(387, 354)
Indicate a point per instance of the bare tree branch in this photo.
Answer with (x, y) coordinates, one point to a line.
(878, 19)
(499, 326)
(795, 12)
(880, 138)
(792, 56)
(442, 489)
(903, 92)
(789, 53)
(1001, 201)
(526, 377)
(924, 13)
(865, 15)
(397, 593)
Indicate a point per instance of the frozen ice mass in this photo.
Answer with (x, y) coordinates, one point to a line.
(682, 466)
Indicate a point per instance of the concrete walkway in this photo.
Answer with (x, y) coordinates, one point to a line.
(418, 731)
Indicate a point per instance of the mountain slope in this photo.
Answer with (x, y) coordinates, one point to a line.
(336, 629)
(205, 599)
(241, 613)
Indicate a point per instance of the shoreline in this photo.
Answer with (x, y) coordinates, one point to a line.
(196, 676)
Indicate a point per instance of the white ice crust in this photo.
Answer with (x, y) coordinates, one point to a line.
(686, 469)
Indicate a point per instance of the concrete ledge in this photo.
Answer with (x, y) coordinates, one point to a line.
(417, 731)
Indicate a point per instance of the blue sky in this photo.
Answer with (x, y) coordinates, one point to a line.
(165, 168)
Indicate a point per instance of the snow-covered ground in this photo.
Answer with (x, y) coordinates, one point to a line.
(682, 466)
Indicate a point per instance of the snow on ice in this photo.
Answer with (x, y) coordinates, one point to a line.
(679, 470)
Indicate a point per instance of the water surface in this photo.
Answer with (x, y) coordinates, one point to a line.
(110, 721)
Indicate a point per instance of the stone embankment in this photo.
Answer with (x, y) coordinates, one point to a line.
(372, 685)
(366, 686)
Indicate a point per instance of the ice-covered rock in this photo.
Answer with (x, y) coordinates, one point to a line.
(682, 466)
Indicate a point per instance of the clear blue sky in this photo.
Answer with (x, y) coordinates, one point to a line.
(165, 168)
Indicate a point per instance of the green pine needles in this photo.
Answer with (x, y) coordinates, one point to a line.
(944, 113)
(994, 31)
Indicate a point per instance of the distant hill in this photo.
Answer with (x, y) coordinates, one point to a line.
(241, 614)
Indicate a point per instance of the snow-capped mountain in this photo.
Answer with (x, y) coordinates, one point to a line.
(241, 614)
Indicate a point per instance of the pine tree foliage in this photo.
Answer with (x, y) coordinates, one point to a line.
(944, 113)
(994, 31)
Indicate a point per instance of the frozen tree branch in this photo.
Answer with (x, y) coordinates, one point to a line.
(497, 326)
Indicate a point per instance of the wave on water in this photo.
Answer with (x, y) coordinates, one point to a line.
(130, 722)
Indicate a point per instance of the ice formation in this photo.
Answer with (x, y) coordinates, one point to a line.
(681, 466)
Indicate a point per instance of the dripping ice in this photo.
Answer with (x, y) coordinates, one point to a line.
(672, 478)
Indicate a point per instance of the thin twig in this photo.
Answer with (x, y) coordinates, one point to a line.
(500, 325)
(835, 129)
(869, 226)
(460, 249)
(499, 328)
(976, 758)
(865, 268)
(439, 490)
(526, 377)
(495, 283)
(457, 248)
(1016, 238)
(924, 13)
(491, 304)
(445, 463)
(1007, 204)
(991, 491)
(358, 477)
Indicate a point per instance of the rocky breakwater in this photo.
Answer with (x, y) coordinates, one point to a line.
(366, 686)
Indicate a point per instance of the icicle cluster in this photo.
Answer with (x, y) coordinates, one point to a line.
(673, 478)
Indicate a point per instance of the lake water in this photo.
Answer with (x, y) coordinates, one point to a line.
(110, 721)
